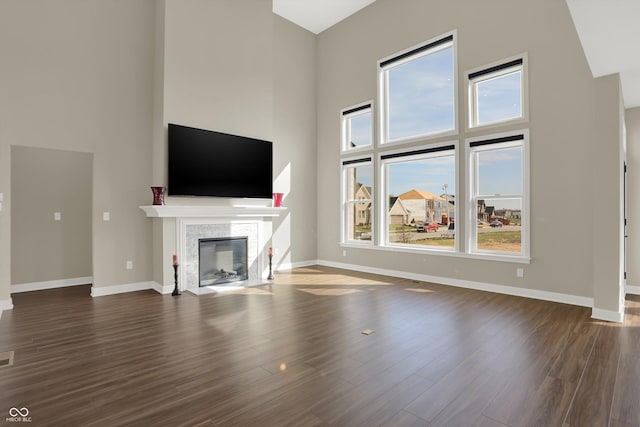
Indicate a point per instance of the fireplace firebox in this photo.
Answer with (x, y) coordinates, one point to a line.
(222, 260)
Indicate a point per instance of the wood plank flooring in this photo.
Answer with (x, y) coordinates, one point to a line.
(292, 354)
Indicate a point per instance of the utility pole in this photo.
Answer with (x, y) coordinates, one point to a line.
(446, 199)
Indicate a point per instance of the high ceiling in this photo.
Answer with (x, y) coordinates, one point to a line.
(610, 35)
(317, 15)
(608, 29)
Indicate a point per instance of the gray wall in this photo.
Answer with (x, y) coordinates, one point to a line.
(233, 66)
(633, 201)
(563, 127)
(77, 76)
(43, 182)
(105, 77)
(294, 129)
(607, 187)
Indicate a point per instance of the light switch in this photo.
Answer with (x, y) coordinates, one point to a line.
(106, 216)
(57, 216)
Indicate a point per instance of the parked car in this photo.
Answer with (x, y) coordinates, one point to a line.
(495, 224)
(427, 226)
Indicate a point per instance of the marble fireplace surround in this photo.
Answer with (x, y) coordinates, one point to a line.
(190, 223)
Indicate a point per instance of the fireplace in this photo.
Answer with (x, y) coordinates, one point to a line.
(181, 227)
(222, 260)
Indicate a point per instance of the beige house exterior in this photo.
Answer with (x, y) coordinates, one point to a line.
(363, 210)
(398, 214)
(424, 206)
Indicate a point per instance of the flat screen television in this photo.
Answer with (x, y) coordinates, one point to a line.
(214, 164)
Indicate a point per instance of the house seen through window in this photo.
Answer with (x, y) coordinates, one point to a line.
(358, 198)
(419, 205)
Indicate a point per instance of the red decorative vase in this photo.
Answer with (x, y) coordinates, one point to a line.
(158, 195)
(277, 200)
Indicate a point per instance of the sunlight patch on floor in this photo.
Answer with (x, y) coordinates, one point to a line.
(248, 291)
(418, 290)
(323, 277)
(331, 292)
(331, 280)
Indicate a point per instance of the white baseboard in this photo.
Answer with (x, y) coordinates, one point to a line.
(468, 284)
(5, 304)
(633, 290)
(292, 265)
(50, 284)
(99, 291)
(164, 290)
(608, 315)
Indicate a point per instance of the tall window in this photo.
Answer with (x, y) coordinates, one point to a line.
(417, 91)
(419, 191)
(498, 217)
(416, 168)
(357, 127)
(357, 179)
(496, 93)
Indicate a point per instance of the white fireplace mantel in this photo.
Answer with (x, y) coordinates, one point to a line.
(182, 227)
(175, 211)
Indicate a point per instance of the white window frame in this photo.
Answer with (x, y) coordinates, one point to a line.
(346, 114)
(346, 165)
(489, 72)
(473, 196)
(383, 195)
(402, 57)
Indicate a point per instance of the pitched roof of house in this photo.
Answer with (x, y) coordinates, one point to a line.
(395, 203)
(420, 195)
(360, 186)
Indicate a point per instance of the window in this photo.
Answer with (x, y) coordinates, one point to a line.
(498, 217)
(357, 179)
(496, 93)
(419, 186)
(357, 127)
(416, 168)
(417, 91)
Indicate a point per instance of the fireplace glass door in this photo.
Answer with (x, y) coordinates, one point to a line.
(222, 260)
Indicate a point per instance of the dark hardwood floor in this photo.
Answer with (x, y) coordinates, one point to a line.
(292, 353)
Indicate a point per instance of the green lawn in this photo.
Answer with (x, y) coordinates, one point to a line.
(436, 241)
(510, 241)
(500, 236)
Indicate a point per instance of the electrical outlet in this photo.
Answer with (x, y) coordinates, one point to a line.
(344, 252)
(57, 216)
(106, 216)
(519, 272)
(129, 265)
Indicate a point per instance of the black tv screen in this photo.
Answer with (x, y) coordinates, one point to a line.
(215, 164)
